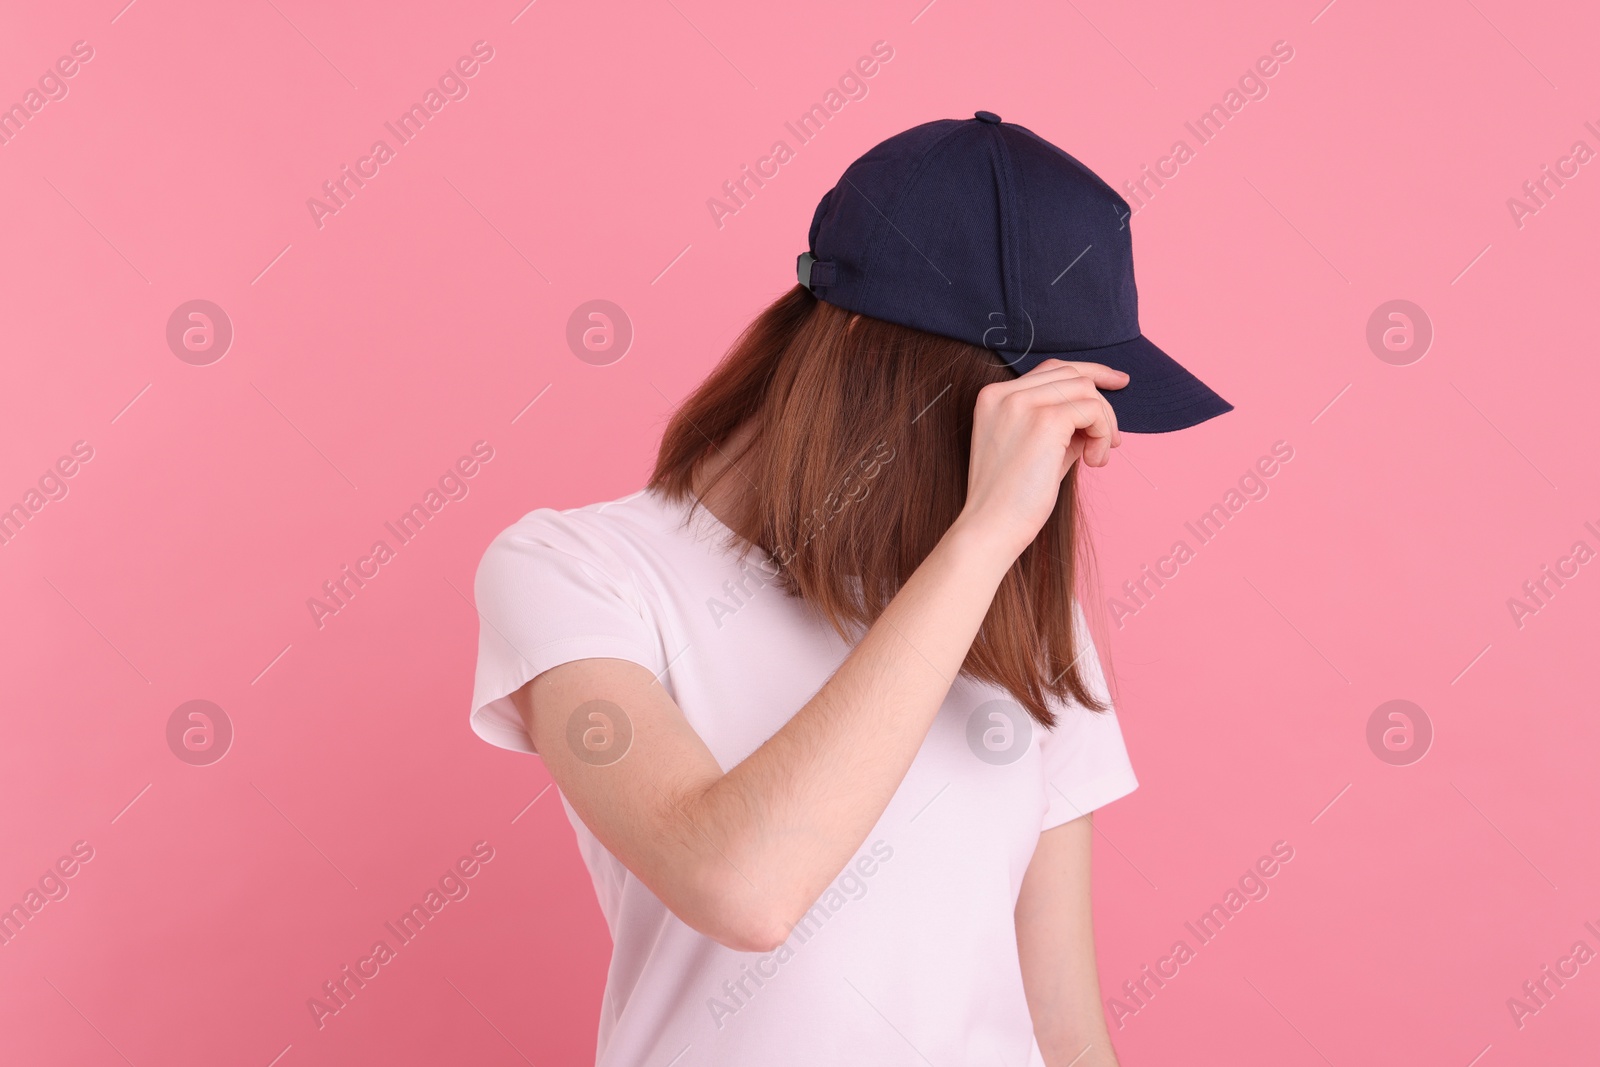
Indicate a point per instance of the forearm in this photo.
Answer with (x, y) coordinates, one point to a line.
(1064, 999)
(1089, 1047)
(791, 815)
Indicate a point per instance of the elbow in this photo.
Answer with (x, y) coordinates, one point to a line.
(737, 916)
(752, 937)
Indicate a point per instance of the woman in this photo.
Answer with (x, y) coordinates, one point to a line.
(819, 700)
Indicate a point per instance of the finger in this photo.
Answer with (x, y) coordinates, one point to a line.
(1097, 442)
(1111, 431)
(1092, 420)
(1100, 434)
(1103, 376)
(1113, 439)
(1075, 386)
(1053, 371)
(1086, 400)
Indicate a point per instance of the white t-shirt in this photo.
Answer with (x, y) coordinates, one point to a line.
(910, 956)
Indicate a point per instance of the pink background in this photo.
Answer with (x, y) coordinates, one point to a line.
(427, 313)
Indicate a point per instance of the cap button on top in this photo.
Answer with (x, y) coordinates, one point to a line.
(986, 116)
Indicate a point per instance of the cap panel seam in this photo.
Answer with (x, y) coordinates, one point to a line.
(1116, 198)
(1010, 235)
(1078, 164)
(875, 241)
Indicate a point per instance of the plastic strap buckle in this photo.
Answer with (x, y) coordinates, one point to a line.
(813, 273)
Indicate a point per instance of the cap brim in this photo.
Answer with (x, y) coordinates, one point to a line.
(1160, 396)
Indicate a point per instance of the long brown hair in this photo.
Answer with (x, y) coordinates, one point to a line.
(857, 462)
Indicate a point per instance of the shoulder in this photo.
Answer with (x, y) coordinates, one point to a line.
(596, 536)
(580, 528)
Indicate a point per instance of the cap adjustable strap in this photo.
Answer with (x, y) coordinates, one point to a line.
(813, 272)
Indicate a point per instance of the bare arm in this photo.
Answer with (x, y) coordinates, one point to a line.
(741, 856)
(1055, 944)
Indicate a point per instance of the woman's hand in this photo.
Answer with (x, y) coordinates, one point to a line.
(1026, 435)
(743, 855)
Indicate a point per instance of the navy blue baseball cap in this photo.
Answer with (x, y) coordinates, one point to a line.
(985, 232)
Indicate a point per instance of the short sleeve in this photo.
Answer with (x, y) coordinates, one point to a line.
(1086, 763)
(550, 591)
